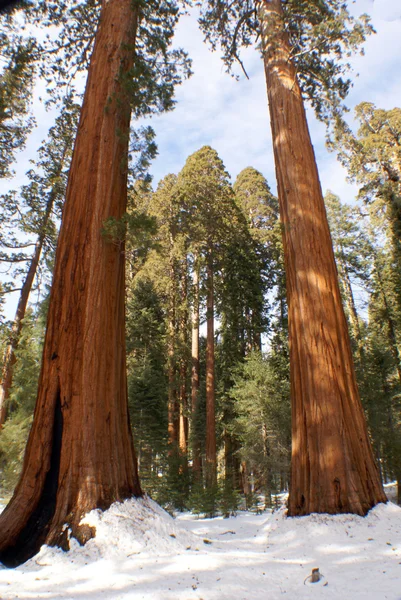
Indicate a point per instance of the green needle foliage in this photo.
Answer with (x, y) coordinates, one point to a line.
(14, 433)
(262, 398)
(31, 215)
(16, 83)
(373, 160)
(322, 35)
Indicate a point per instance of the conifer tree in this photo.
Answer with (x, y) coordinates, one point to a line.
(42, 200)
(16, 83)
(147, 378)
(204, 185)
(373, 160)
(333, 468)
(80, 454)
(21, 400)
(263, 421)
(164, 264)
(166, 267)
(352, 250)
(380, 376)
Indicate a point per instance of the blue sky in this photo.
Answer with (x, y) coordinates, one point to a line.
(232, 116)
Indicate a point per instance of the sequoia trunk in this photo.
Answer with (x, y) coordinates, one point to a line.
(333, 468)
(80, 453)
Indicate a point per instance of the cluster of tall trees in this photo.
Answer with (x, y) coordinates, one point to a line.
(214, 259)
(201, 254)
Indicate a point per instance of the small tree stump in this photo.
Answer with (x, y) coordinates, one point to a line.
(315, 577)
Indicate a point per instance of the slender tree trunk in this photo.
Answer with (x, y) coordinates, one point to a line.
(9, 355)
(268, 463)
(211, 462)
(173, 406)
(80, 454)
(352, 312)
(228, 456)
(245, 478)
(183, 411)
(183, 362)
(196, 451)
(333, 468)
(256, 335)
(391, 328)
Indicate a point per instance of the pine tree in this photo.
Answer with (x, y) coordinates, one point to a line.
(373, 160)
(263, 421)
(248, 285)
(333, 469)
(42, 200)
(352, 250)
(147, 379)
(80, 454)
(22, 398)
(204, 185)
(166, 267)
(16, 83)
(380, 378)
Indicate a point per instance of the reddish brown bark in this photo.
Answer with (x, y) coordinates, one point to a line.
(211, 462)
(183, 395)
(333, 468)
(80, 454)
(196, 454)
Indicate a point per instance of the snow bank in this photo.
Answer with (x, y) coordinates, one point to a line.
(141, 553)
(136, 526)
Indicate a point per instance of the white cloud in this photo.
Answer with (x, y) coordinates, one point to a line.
(214, 109)
(232, 116)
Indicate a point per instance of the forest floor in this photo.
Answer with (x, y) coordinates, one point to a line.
(140, 552)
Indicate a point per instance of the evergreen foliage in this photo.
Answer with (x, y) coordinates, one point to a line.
(321, 34)
(372, 158)
(16, 83)
(262, 398)
(31, 215)
(14, 433)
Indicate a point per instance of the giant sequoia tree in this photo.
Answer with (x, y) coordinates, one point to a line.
(332, 463)
(80, 453)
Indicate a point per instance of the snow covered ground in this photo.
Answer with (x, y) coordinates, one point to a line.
(140, 552)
